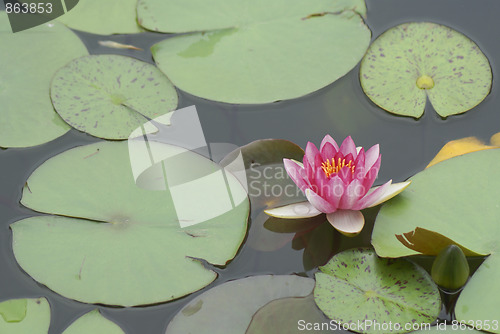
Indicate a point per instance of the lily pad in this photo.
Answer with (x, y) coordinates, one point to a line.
(110, 96)
(28, 118)
(143, 240)
(290, 315)
(256, 52)
(213, 312)
(448, 200)
(411, 61)
(94, 16)
(357, 286)
(21, 316)
(93, 322)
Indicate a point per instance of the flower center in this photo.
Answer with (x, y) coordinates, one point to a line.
(333, 167)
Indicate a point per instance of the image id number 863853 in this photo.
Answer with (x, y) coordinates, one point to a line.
(31, 8)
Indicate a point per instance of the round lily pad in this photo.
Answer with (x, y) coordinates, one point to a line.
(21, 316)
(256, 52)
(458, 208)
(229, 307)
(411, 61)
(28, 118)
(109, 96)
(94, 16)
(359, 289)
(109, 241)
(93, 322)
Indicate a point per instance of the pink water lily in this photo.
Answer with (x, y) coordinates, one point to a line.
(337, 182)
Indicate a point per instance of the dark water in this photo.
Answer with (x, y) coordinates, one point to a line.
(340, 109)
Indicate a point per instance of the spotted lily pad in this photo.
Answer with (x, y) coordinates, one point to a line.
(109, 96)
(213, 312)
(106, 240)
(93, 322)
(413, 61)
(103, 17)
(21, 316)
(28, 118)
(257, 51)
(447, 200)
(356, 286)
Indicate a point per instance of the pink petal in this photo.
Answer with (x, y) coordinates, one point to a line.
(296, 173)
(294, 211)
(370, 177)
(336, 188)
(347, 222)
(311, 153)
(328, 151)
(328, 139)
(319, 203)
(372, 196)
(353, 193)
(348, 146)
(390, 192)
(371, 156)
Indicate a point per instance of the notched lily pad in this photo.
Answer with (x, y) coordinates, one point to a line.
(447, 200)
(109, 96)
(19, 316)
(256, 52)
(93, 322)
(411, 61)
(27, 114)
(147, 242)
(229, 307)
(357, 285)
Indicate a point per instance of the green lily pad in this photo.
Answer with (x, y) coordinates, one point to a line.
(357, 286)
(256, 52)
(447, 200)
(28, 118)
(411, 61)
(110, 96)
(94, 16)
(213, 312)
(291, 315)
(147, 242)
(21, 316)
(93, 322)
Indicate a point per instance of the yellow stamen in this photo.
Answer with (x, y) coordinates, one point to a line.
(333, 167)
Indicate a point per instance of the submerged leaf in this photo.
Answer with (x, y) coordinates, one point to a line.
(357, 286)
(110, 96)
(147, 242)
(258, 51)
(28, 118)
(213, 312)
(413, 61)
(289, 315)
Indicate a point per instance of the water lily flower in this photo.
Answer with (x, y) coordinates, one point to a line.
(338, 182)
